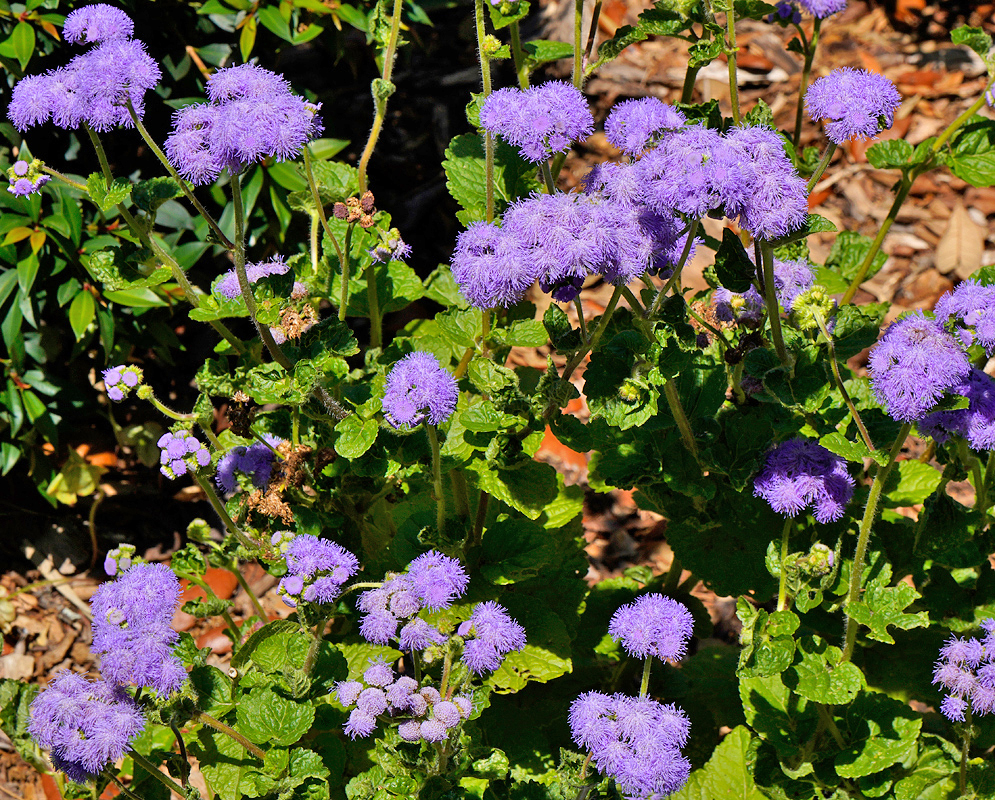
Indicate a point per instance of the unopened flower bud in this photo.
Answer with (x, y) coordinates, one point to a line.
(811, 302)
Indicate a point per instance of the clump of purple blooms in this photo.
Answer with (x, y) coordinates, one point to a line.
(970, 309)
(490, 634)
(180, 452)
(653, 625)
(791, 280)
(120, 380)
(858, 103)
(418, 389)
(227, 285)
(316, 569)
(785, 13)
(132, 628)
(913, 364)
(801, 473)
(747, 308)
(86, 724)
(252, 115)
(823, 8)
(254, 460)
(540, 120)
(976, 423)
(632, 124)
(382, 693)
(489, 266)
(121, 559)
(94, 88)
(635, 740)
(26, 178)
(391, 247)
(966, 669)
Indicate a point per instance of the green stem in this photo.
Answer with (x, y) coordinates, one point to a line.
(782, 588)
(244, 584)
(460, 495)
(380, 103)
(312, 651)
(447, 665)
(64, 178)
(184, 760)
(547, 177)
(176, 177)
(578, 69)
(580, 318)
(644, 685)
(866, 523)
(344, 297)
(440, 497)
(770, 298)
(677, 410)
(674, 279)
(733, 77)
(220, 727)
(236, 634)
(965, 751)
(633, 301)
(599, 331)
(687, 91)
(485, 80)
(105, 167)
(821, 168)
(521, 69)
(124, 789)
(164, 409)
(736, 383)
(373, 301)
(824, 330)
(480, 519)
(221, 511)
(831, 726)
(708, 326)
(809, 49)
(673, 576)
(156, 773)
(592, 33)
(295, 429)
(319, 208)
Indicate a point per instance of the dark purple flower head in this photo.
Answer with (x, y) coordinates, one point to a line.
(254, 460)
(227, 285)
(437, 580)
(87, 725)
(120, 380)
(653, 625)
(540, 120)
(181, 452)
(316, 569)
(418, 389)
(800, 473)
(98, 22)
(633, 124)
(823, 8)
(744, 308)
(491, 634)
(132, 628)
(391, 247)
(490, 266)
(970, 306)
(913, 364)
(785, 13)
(976, 423)
(858, 103)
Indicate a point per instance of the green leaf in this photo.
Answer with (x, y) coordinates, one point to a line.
(546, 656)
(81, 313)
(703, 53)
(148, 195)
(224, 762)
(975, 38)
(813, 224)
(508, 11)
(515, 550)
(890, 154)
(269, 17)
(465, 175)
(818, 675)
(247, 38)
(277, 628)
(911, 482)
(857, 327)
(265, 717)
(848, 253)
(528, 487)
(542, 51)
(104, 197)
(777, 714)
(22, 40)
(880, 732)
(728, 773)
(951, 533)
(753, 9)
(767, 639)
(882, 606)
(355, 436)
(525, 333)
(212, 689)
(652, 22)
(359, 655)
(971, 156)
(564, 337)
(441, 287)
(934, 776)
(855, 451)
(760, 114)
(733, 266)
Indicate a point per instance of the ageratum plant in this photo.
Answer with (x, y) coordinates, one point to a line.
(440, 639)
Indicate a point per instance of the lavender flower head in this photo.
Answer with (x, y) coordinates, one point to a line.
(86, 724)
(254, 460)
(418, 389)
(633, 124)
(913, 364)
(823, 8)
(653, 625)
(800, 473)
(976, 423)
(386, 606)
(785, 13)
(437, 580)
(970, 309)
(966, 669)
(747, 308)
(636, 741)
(252, 115)
(860, 104)
(490, 266)
(98, 22)
(792, 279)
(26, 178)
(181, 452)
(227, 285)
(121, 559)
(540, 120)
(132, 628)
(391, 247)
(120, 380)
(316, 570)
(490, 635)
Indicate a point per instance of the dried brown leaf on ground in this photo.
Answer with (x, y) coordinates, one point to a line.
(962, 245)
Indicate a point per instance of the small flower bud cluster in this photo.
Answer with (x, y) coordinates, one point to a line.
(418, 389)
(818, 562)
(121, 559)
(653, 626)
(745, 309)
(26, 178)
(383, 694)
(490, 634)
(316, 569)
(801, 472)
(228, 287)
(255, 461)
(966, 669)
(181, 452)
(432, 581)
(357, 209)
(391, 248)
(120, 380)
(814, 300)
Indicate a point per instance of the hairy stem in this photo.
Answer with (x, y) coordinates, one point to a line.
(687, 91)
(521, 69)
(373, 301)
(821, 168)
(965, 751)
(733, 77)
(809, 49)
(824, 330)
(380, 102)
(244, 584)
(220, 727)
(674, 279)
(221, 511)
(440, 497)
(579, 306)
(677, 410)
(460, 495)
(782, 588)
(485, 81)
(547, 177)
(320, 210)
(64, 178)
(156, 773)
(599, 331)
(344, 298)
(592, 33)
(644, 684)
(770, 298)
(578, 68)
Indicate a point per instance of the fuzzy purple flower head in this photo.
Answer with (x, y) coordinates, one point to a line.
(792, 279)
(858, 103)
(386, 606)
(966, 669)
(119, 381)
(800, 473)
(633, 124)
(86, 724)
(254, 460)
(316, 570)
(785, 13)
(490, 266)
(747, 308)
(26, 178)
(970, 309)
(227, 285)
(913, 364)
(490, 635)
(97, 22)
(181, 452)
(437, 580)
(418, 389)
(976, 423)
(823, 8)
(653, 625)
(132, 628)
(391, 247)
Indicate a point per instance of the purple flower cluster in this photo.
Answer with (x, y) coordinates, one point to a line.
(121, 559)
(254, 460)
(913, 364)
(120, 380)
(970, 308)
(86, 724)
(785, 13)
(391, 247)
(25, 178)
(800, 473)
(966, 669)
(747, 308)
(94, 88)
(653, 625)
(540, 120)
(181, 452)
(227, 285)
(976, 423)
(426, 714)
(823, 8)
(490, 634)
(132, 628)
(316, 569)
(252, 115)
(632, 124)
(418, 389)
(860, 104)
(432, 581)
(637, 741)
(792, 279)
